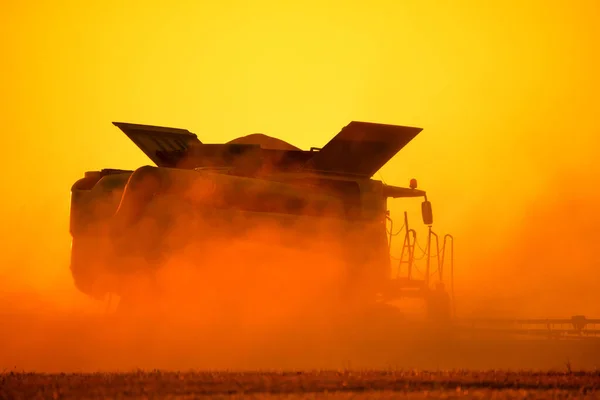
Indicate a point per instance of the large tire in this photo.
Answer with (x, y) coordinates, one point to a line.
(86, 267)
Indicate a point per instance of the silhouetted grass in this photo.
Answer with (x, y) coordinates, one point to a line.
(301, 385)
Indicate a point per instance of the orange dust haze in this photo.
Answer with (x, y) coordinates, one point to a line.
(507, 94)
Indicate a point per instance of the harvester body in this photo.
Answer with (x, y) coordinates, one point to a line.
(234, 206)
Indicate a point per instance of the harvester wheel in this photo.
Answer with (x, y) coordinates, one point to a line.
(85, 267)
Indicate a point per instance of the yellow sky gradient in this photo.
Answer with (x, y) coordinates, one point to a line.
(506, 91)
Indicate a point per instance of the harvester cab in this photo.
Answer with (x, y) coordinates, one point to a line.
(228, 189)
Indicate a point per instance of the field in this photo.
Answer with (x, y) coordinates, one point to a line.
(90, 357)
(302, 385)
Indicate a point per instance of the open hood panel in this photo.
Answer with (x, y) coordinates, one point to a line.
(156, 141)
(362, 148)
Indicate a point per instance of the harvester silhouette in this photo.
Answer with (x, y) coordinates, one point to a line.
(256, 181)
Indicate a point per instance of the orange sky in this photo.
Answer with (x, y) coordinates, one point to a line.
(507, 96)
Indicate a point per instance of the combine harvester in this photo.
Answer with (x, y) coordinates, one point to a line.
(122, 222)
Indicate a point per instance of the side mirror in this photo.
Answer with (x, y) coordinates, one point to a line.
(427, 212)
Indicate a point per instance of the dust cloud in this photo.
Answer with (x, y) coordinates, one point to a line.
(200, 291)
(544, 264)
(263, 297)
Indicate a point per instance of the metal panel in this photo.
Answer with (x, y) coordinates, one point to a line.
(157, 140)
(362, 148)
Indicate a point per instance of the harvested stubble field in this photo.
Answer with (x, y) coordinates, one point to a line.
(303, 385)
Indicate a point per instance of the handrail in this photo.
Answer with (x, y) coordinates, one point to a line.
(448, 240)
(387, 217)
(440, 267)
(443, 256)
(411, 251)
(411, 248)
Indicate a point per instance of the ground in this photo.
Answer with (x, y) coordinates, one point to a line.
(303, 385)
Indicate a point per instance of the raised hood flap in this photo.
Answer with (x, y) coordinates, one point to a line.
(159, 143)
(362, 148)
